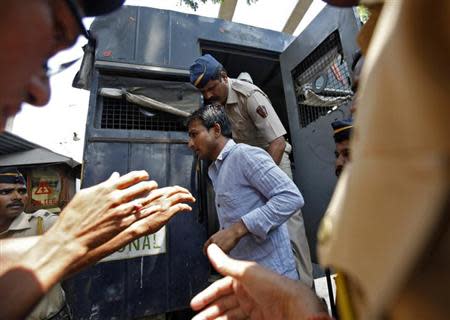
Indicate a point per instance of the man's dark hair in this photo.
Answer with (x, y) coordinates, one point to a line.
(211, 114)
(218, 73)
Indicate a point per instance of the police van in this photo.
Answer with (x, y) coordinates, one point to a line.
(138, 76)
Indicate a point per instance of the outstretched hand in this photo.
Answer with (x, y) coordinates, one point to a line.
(158, 207)
(98, 213)
(97, 222)
(250, 291)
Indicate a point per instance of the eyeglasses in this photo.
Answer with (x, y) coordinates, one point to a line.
(52, 70)
(74, 9)
(78, 17)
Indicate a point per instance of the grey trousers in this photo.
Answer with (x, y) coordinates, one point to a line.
(297, 233)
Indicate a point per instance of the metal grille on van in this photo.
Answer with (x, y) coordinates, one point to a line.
(322, 81)
(123, 115)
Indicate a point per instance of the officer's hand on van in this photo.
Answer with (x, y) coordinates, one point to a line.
(227, 238)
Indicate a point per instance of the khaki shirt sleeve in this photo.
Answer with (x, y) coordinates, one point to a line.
(264, 117)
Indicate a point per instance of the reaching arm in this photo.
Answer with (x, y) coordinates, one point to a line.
(12, 249)
(227, 238)
(163, 205)
(283, 196)
(250, 291)
(98, 221)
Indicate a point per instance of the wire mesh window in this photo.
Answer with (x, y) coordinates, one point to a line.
(322, 81)
(123, 115)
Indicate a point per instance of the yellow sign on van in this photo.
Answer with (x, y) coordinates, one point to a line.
(146, 246)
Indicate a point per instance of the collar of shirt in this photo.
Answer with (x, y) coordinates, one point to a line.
(22, 222)
(226, 150)
(232, 95)
(215, 166)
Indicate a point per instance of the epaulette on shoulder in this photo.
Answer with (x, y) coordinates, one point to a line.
(244, 87)
(42, 213)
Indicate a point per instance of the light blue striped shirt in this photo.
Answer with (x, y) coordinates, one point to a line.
(249, 186)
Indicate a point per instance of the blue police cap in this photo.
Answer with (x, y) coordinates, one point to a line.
(204, 69)
(11, 175)
(342, 129)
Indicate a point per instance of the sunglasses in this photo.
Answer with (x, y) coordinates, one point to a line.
(75, 10)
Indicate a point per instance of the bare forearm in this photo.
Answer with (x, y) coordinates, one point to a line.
(12, 249)
(239, 229)
(25, 281)
(303, 303)
(100, 252)
(228, 238)
(276, 149)
(20, 291)
(52, 256)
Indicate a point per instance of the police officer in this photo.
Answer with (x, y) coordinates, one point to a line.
(254, 122)
(342, 130)
(15, 223)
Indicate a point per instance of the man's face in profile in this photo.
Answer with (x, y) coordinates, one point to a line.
(216, 91)
(31, 32)
(342, 156)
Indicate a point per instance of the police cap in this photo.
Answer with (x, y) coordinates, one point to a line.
(11, 175)
(204, 69)
(342, 129)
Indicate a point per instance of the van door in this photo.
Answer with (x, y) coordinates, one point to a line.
(158, 273)
(316, 79)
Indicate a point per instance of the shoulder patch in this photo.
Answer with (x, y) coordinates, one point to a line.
(262, 111)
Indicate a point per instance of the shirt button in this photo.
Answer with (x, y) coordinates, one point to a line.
(218, 205)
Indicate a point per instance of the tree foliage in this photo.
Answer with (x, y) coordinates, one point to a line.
(363, 12)
(194, 3)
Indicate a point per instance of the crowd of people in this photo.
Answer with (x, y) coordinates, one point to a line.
(385, 232)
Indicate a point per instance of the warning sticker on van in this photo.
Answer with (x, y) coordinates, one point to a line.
(146, 246)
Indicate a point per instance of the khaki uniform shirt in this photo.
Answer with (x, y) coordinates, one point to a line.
(26, 225)
(383, 227)
(253, 119)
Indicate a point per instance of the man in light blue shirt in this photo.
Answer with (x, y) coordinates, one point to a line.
(254, 197)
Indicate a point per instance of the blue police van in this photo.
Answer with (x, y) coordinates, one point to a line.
(138, 77)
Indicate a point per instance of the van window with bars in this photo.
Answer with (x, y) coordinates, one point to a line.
(322, 81)
(123, 115)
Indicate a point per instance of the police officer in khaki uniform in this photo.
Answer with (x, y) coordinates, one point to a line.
(254, 122)
(15, 223)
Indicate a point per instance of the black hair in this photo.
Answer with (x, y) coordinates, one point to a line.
(218, 73)
(211, 114)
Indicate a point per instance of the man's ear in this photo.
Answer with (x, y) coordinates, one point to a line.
(217, 130)
(224, 76)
